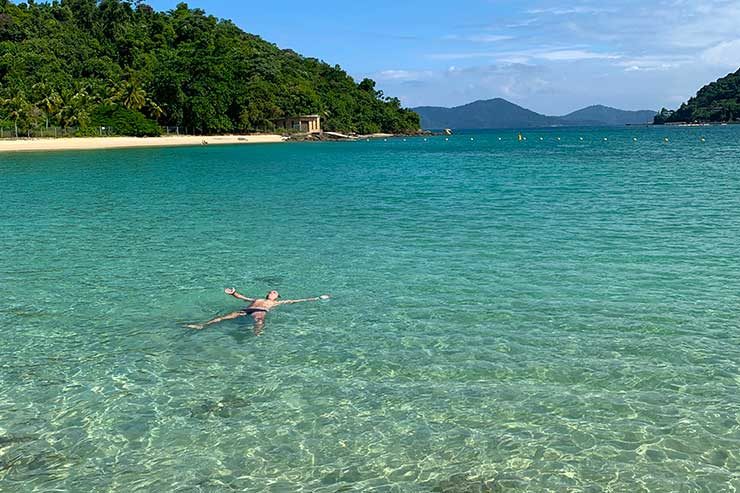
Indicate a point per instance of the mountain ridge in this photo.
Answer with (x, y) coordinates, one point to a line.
(500, 113)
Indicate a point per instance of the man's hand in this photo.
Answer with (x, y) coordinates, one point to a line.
(324, 297)
(230, 291)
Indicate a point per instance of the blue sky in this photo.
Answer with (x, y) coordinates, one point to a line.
(551, 57)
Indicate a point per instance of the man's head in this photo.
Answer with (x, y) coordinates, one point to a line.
(272, 295)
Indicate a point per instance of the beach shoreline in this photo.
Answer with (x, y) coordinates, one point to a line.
(98, 143)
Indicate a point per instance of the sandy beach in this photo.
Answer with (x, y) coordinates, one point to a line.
(89, 143)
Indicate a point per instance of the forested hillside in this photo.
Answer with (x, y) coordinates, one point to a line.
(718, 101)
(86, 63)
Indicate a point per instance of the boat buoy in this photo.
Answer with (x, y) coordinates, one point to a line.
(446, 139)
(605, 139)
(665, 139)
(525, 138)
(499, 138)
(471, 138)
(703, 139)
(385, 140)
(580, 138)
(541, 139)
(404, 140)
(425, 140)
(558, 139)
(634, 139)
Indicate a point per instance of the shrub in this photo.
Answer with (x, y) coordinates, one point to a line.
(122, 121)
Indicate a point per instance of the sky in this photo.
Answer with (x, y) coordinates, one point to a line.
(551, 57)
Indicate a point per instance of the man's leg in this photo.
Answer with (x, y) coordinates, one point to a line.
(259, 322)
(216, 320)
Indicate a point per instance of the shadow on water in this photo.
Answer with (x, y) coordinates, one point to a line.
(240, 329)
(7, 464)
(243, 333)
(14, 439)
(462, 483)
(6, 441)
(225, 407)
(243, 329)
(270, 280)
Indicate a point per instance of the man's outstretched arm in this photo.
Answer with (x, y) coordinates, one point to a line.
(232, 292)
(288, 302)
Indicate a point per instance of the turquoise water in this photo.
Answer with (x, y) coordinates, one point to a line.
(506, 316)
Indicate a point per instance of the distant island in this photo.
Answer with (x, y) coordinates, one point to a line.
(499, 113)
(126, 69)
(718, 102)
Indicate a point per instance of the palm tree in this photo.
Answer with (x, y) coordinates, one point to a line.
(112, 92)
(15, 114)
(80, 107)
(132, 95)
(155, 111)
(128, 93)
(17, 108)
(74, 108)
(50, 103)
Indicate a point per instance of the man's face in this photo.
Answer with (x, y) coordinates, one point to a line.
(273, 295)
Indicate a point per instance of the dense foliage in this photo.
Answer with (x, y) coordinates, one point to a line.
(123, 120)
(715, 102)
(71, 62)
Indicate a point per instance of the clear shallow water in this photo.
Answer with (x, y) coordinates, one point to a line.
(545, 315)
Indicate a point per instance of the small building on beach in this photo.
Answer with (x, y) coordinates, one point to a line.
(308, 123)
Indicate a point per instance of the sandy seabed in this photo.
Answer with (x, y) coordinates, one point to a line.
(85, 143)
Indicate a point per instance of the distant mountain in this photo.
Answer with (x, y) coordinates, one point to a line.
(718, 101)
(604, 115)
(499, 113)
(493, 113)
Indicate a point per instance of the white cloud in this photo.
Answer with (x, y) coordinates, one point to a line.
(653, 63)
(463, 56)
(509, 80)
(700, 23)
(479, 38)
(572, 55)
(725, 54)
(526, 56)
(488, 38)
(625, 53)
(522, 23)
(570, 10)
(402, 75)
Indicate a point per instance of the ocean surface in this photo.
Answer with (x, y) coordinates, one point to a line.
(544, 315)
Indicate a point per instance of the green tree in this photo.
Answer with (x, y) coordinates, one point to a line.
(181, 67)
(16, 108)
(717, 101)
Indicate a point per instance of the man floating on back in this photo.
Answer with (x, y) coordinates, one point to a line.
(257, 309)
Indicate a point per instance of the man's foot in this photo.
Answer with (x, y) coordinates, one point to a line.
(194, 326)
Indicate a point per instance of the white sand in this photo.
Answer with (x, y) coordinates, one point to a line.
(85, 143)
